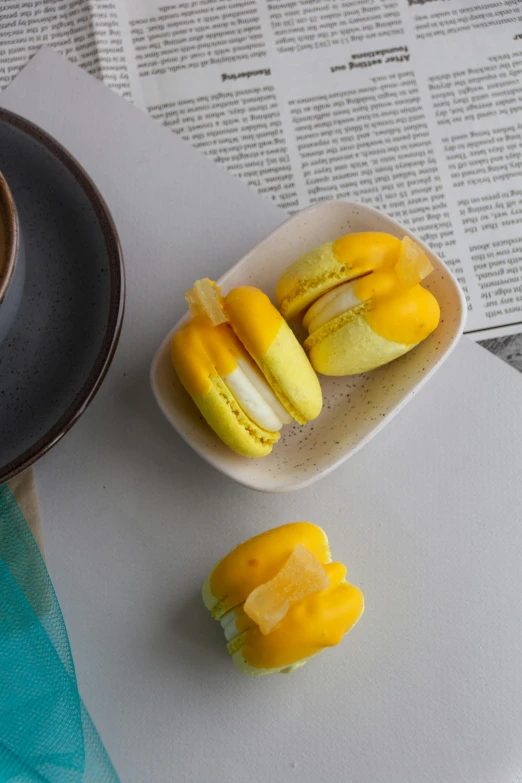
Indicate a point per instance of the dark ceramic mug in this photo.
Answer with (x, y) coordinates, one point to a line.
(12, 260)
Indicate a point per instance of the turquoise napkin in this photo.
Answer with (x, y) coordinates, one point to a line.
(46, 733)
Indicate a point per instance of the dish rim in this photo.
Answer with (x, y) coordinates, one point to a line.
(105, 355)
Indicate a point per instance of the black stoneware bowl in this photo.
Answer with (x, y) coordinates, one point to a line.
(59, 346)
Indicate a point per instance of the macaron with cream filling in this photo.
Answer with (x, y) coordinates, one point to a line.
(281, 600)
(243, 367)
(361, 301)
(331, 264)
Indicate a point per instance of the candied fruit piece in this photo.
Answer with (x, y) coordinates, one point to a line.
(413, 264)
(204, 300)
(301, 575)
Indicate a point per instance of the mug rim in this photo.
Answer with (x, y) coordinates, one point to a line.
(10, 218)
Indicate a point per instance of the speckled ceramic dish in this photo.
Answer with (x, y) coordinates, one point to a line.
(61, 343)
(355, 408)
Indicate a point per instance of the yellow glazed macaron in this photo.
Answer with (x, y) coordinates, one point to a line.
(361, 301)
(247, 374)
(281, 600)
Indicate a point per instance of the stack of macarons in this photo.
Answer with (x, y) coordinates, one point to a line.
(359, 297)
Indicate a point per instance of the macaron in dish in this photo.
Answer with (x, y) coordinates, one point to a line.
(281, 600)
(244, 368)
(360, 300)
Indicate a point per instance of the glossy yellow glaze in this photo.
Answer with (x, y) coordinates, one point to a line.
(401, 314)
(397, 313)
(254, 318)
(405, 317)
(320, 620)
(366, 251)
(331, 264)
(200, 351)
(276, 350)
(203, 354)
(376, 284)
(393, 315)
(257, 560)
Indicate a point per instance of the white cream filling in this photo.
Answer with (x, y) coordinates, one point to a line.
(255, 397)
(228, 624)
(256, 377)
(330, 305)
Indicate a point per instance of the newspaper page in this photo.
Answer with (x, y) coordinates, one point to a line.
(412, 106)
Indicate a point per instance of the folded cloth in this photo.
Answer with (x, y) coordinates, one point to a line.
(23, 488)
(46, 733)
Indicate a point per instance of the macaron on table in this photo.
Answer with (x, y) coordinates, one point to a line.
(281, 600)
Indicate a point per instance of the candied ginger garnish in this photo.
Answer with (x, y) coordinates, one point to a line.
(204, 300)
(413, 264)
(301, 575)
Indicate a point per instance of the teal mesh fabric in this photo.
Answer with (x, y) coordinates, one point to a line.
(46, 733)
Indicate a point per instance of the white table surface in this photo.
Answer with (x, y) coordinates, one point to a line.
(427, 688)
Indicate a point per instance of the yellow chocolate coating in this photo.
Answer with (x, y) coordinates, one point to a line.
(375, 333)
(276, 350)
(406, 317)
(257, 560)
(376, 284)
(333, 263)
(391, 320)
(201, 355)
(319, 621)
(254, 318)
(200, 352)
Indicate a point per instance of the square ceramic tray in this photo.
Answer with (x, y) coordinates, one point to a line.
(355, 408)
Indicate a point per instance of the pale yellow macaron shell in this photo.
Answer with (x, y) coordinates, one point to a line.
(274, 347)
(332, 264)
(319, 621)
(201, 354)
(369, 336)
